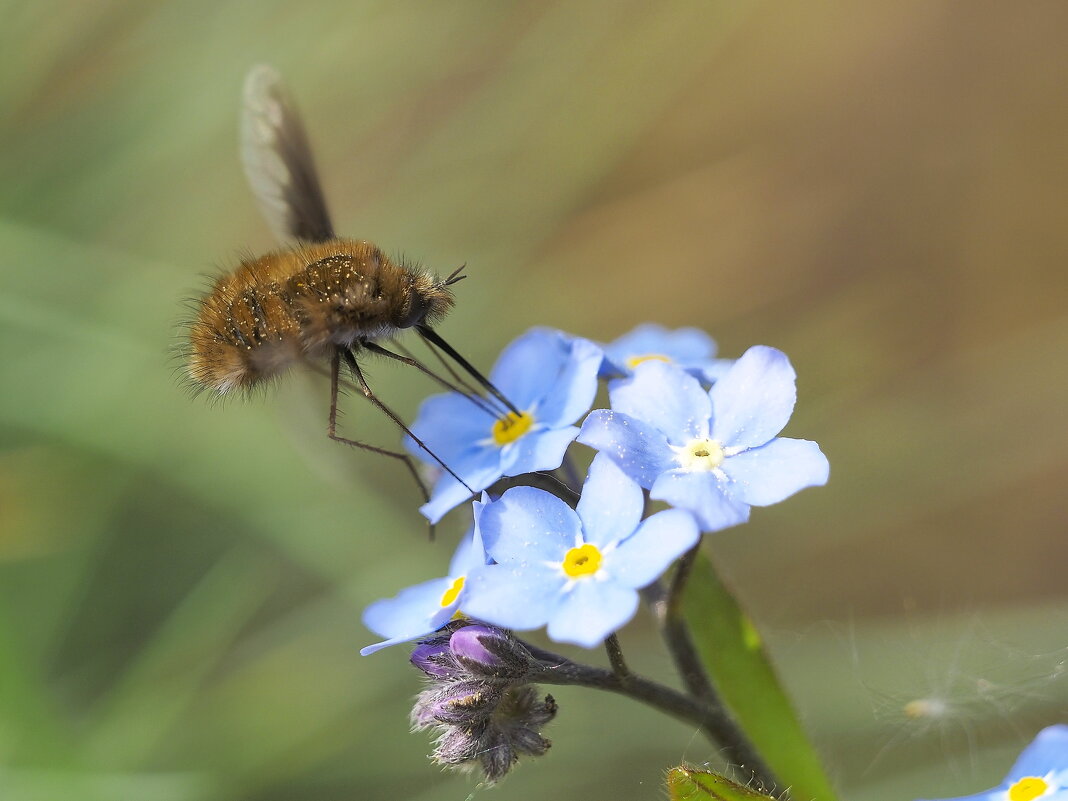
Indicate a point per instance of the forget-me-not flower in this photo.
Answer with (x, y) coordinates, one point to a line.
(417, 611)
(549, 377)
(690, 348)
(713, 452)
(1041, 772)
(575, 570)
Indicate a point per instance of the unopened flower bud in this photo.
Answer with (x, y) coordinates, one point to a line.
(462, 703)
(435, 659)
(491, 652)
(496, 743)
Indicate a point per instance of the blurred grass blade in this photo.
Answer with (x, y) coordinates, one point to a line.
(164, 678)
(684, 784)
(734, 656)
(30, 727)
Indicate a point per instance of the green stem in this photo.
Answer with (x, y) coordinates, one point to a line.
(560, 670)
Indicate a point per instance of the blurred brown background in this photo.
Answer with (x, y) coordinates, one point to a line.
(877, 189)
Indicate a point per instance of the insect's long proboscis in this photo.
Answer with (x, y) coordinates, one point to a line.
(432, 336)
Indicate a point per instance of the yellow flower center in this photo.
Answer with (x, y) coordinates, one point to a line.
(701, 455)
(451, 594)
(584, 560)
(1027, 789)
(511, 427)
(634, 361)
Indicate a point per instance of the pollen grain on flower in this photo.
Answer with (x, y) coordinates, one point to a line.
(451, 594)
(510, 427)
(634, 361)
(701, 455)
(585, 560)
(1028, 788)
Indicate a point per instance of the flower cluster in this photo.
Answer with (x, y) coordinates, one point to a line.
(477, 701)
(685, 428)
(542, 558)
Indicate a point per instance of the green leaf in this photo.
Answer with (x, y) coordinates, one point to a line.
(732, 652)
(684, 784)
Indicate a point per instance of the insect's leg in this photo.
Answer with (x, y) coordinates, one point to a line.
(411, 361)
(459, 379)
(335, 369)
(350, 360)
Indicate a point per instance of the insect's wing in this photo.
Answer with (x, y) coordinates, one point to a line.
(278, 161)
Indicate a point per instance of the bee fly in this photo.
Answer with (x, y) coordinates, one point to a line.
(320, 298)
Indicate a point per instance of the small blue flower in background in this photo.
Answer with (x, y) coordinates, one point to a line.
(575, 570)
(551, 378)
(425, 608)
(713, 453)
(690, 348)
(1041, 772)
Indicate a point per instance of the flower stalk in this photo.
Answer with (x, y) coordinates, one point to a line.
(713, 721)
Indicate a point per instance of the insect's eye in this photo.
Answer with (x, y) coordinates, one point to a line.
(416, 312)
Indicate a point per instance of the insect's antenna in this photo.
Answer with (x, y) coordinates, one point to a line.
(350, 360)
(455, 276)
(411, 361)
(430, 335)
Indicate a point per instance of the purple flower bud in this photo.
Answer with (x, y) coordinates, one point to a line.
(495, 743)
(477, 701)
(434, 658)
(456, 703)
(490, 652)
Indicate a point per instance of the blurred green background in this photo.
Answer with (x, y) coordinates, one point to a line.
(876, 188)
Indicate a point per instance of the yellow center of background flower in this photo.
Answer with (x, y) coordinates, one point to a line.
(701, 455)
(451, 594)
(1027, 789)
(511, 427)
(584, 560)
(634, 361)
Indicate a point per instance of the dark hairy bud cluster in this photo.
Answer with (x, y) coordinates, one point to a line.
(485, 714)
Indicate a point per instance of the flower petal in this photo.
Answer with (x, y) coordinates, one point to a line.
(539, 450)
(479, 469)
(639, 449)
(701, 494)
(611, 503)
(591, 611)
(775, 471)
(367, 650)
(469, 554)
(528, 368)
(682, 346)
(575, 387)
(753, 401)
(714, 369)
(658, 542)
(514, 597)
(1047, 752)
(411, 613)
(667, 397)
(451, 426)
(528, 526)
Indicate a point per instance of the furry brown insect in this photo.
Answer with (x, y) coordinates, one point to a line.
(305, 302)
(323, 297)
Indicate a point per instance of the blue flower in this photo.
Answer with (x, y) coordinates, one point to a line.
(425, 608)
(549, 377)
(1041, 772)
(575, 570)
(690, 348)
(714, 453)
